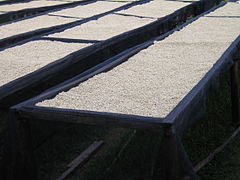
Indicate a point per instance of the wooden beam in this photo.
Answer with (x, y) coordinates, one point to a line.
(91, 118)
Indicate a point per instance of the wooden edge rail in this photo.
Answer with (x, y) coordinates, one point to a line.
(36, 82)
(89, 117)
(16, 15)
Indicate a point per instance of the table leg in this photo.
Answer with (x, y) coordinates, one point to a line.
(235, 92)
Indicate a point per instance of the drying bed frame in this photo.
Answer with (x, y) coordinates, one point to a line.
(175, 163)
(13, 15)
(8, 41)
(54, 73)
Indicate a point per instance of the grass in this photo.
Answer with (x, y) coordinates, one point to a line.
(58, 143)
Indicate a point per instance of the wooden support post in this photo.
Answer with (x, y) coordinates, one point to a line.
(21, 160)
(174, 162)
(11, 149)
(235, 92)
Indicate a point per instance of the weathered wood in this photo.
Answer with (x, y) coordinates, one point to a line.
(81, 159)
(211, 156)
(234, 74)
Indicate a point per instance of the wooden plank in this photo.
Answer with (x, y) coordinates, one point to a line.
(85, 154)
(92, 118)
(81, 159)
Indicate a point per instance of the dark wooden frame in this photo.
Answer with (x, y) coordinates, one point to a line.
(34, 35)
(176, 163)
(54, 73)
(13, 15)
